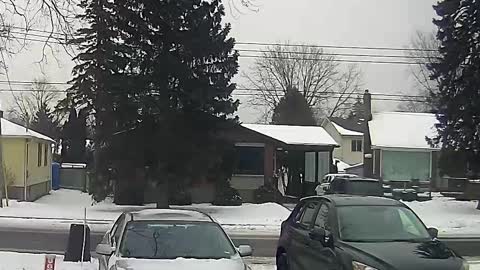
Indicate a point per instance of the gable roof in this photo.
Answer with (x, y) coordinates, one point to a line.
(10, 129)
(345, 132)
(350, 124)
(295, 135)
(402, 130)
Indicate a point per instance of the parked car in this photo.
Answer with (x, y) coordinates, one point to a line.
(327, 179)
(355, 186)
(360, 232)
(169, 239)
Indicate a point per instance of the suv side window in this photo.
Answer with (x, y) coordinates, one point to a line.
(321, 221)
(308, 214)
(297, 213)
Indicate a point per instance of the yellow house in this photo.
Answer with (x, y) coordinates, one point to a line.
(27, 159)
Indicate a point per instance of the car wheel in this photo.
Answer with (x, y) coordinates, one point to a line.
(282, 261)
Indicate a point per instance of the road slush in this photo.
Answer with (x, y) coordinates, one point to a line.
(49, 262)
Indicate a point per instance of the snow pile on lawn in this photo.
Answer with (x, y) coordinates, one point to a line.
(63, 207)
(261, 218)
(448, 215)
(25, 261)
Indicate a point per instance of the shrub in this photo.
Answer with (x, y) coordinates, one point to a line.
(226, 195)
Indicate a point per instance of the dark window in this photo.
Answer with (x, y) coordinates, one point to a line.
(307, 217)
(322, 218)
(39, 155)
(249, 160)
(45, 160)
(357, 145)
(298, 214)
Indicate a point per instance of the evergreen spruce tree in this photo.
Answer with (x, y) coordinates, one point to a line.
(294, 110)
(458, 70)
(156, 75)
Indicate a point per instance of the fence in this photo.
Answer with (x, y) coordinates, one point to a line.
(74, 176)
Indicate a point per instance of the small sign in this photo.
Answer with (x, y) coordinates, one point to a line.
(49, 262)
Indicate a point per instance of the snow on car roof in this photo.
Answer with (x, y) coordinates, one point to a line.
(402, 130)
(10, 129)
(295, 135)
(346, 132)
(171, 214)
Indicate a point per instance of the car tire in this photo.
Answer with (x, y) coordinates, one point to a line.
(282, 261)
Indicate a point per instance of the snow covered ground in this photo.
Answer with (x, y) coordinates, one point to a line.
(59, 209)
(449, 216)
(25, 261)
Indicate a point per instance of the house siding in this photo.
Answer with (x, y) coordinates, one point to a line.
(38, 174)
(344, 152)
(406, 165)
(14, 156)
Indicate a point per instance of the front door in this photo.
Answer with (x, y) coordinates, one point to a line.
(324, 257)
(298, 253)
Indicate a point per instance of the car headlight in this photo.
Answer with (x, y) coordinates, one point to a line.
(361, 266)
(465, 266)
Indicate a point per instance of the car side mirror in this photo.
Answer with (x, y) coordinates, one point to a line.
(433, 232)
(105, 249)
(323, 236)
(245, 250)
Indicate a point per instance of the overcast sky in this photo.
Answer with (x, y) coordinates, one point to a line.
(374, 23)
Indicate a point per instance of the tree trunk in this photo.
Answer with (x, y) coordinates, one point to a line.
(162, 195)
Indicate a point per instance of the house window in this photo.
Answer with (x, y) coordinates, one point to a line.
(39, 154)
(45, 155)
(357, 145)
(249, 160)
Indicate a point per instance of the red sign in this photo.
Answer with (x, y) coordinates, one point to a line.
(49, 262)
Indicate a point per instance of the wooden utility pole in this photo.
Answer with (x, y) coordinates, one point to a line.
(3, 185)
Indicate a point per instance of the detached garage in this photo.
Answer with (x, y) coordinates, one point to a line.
(400, 148)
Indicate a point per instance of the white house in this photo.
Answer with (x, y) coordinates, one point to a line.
(350, 141)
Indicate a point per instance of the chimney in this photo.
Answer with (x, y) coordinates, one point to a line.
(367, 102)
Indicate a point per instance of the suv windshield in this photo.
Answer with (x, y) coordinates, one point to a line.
(380, 224)
(158, 240)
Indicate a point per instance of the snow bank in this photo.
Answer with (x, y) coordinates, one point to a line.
(25, 261)
(448, 215)
(63, 207)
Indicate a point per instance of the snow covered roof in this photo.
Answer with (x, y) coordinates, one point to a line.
(402, 130)
(295, 135)
(345, 132)
(10, 129)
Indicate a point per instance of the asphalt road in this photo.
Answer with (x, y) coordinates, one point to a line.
(263, 246)
(56, 242)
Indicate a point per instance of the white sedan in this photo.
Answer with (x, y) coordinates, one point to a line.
(169, 239)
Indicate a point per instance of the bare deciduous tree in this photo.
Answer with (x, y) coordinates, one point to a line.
(425, 45)
(321, 80)
(426, 52)
(26, 105)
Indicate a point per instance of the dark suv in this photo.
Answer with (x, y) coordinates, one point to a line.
(360, 233)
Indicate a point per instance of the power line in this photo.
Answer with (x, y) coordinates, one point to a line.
(334, 46)
(277, 44)
(335, 54)
(337, 60)
(236, 89)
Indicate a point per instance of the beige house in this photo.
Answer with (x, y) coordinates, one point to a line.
(350, 141)
(27, 161)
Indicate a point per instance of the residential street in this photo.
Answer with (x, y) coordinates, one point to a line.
(264, 246)
(56, 241)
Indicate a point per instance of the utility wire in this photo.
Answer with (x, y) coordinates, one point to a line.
(277, 44)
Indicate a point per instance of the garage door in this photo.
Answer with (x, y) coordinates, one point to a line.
(399, 165)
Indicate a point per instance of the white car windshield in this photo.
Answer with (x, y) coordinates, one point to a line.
(147, 240)
(380, 224)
